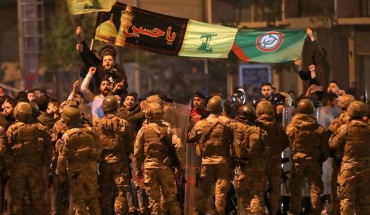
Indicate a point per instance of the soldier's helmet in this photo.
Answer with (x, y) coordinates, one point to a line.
(154, 111)
(345, 100)
(68, 103)
(264, 107)
(23, 112)
(246, 113)
(110, 104)
(71, 116)
(357, 109)
(238, 98)
(282, 98)
(215, 105)
(305, 106)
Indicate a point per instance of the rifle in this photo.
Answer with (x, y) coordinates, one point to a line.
(171, 153)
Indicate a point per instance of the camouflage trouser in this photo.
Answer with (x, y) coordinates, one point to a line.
(354, 190)
(335, 201)
(250, 184)
(113, 185)
(273, 173)
(161, 181)
(26, 177)
(312, 171)
(84, 190)
(220, 175)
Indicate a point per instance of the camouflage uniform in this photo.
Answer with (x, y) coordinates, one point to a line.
(114, 178)
(275, 140)
(354, 176)
(30, 150)
(250, 177)
(213, 138)
(77, 161)
(152, 151)
(308, 141)
(337, 154)
(60, 197)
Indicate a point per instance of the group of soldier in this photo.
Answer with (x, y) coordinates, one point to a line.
(254, 141)
(90, 166)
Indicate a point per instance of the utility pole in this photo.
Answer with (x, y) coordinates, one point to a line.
(30, 37)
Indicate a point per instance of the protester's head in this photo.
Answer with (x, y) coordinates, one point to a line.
(9, 106)
(105, 87)
(108, 55)
(31, 95)
(129, 101)
(198, 100)
(329, 99)
(333, 87)
(42, 102)
(39, 92)
(53, 107)
(266, 90)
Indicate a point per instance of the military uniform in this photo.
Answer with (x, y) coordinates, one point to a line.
(213, 139)
(354, 176)
(154, 149)
(250, 178)
(60, 197)
(337, 154)
(275, 140)
(308, 141)
(77, 161)
(114, 178)
(30, 150)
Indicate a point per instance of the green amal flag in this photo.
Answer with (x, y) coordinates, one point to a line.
(206, 40)
(89, 6)
(269, 46)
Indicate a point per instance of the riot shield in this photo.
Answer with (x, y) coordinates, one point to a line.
(325, 115)
(286, 155)
(178, 116)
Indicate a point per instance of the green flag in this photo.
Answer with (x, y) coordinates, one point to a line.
(89, 6)
(206, 40)
(269, 46)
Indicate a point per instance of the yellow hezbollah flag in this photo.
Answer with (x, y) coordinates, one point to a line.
(207, 40)
(89, 6)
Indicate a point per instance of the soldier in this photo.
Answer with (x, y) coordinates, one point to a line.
(275, 139)
(30, 150)
(117, 145)
(154, 149)
(354, 176)
(308, 141)
(343, 102)
(213, 138)
(250, 177)
(61, 189)
(80, 149)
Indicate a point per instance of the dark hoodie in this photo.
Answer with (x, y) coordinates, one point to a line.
(134, 116)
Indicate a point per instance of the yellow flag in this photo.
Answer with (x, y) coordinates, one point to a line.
(89, 6)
